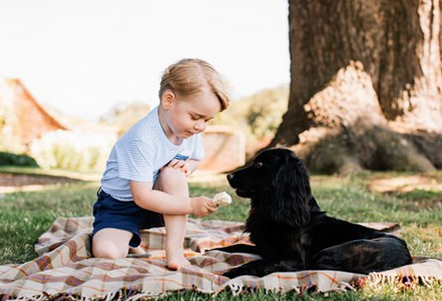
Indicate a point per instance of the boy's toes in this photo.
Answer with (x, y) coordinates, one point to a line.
(176, 265)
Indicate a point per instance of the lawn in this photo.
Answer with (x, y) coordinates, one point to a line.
(24, 216)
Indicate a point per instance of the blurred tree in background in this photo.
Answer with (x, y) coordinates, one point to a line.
(258, 115)
(123, 116)
(366, 85)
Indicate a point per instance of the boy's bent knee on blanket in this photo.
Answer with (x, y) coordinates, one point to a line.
(111, 243)
(109, 251)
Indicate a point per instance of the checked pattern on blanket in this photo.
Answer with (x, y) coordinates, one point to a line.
(65, 266)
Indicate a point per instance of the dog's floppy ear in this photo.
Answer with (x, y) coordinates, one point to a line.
(291, 193)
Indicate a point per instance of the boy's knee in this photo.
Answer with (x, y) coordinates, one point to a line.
(109, 250)
(172, 175)
(172, 181)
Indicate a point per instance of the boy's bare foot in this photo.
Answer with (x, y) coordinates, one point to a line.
(176, 260)
(178, 264)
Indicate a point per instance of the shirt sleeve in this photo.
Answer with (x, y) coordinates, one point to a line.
(198, 149)
(135, 161)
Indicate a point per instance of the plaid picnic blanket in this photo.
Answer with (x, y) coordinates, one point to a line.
(66, 268)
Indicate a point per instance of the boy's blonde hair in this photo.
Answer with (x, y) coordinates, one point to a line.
(189, 76)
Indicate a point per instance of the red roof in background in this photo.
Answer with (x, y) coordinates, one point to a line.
(32, 119)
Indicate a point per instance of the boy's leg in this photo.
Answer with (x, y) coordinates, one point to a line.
(138, 250)
(111, 243)
(174, 182)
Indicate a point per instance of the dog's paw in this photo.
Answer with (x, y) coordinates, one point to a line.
(230, 275)
(233, 273)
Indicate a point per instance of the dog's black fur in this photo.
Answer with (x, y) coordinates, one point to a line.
(291, 233)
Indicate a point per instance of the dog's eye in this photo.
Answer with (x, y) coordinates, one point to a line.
(258, 164)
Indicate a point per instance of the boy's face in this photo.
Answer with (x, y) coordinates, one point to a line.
(188, 115)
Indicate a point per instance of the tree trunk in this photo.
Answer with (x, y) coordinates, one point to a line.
(365, 85)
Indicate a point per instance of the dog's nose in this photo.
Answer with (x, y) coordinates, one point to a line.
(230, 176)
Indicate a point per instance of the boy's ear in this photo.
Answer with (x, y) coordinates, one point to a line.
(167, 99)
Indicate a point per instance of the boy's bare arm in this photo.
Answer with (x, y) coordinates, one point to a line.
(161, 202)
(192, 165)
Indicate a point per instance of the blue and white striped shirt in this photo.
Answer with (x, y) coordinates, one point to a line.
(140, 153)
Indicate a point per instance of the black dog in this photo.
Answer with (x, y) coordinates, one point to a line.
(291, 233)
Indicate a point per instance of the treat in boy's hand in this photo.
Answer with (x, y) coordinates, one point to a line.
(222, 199)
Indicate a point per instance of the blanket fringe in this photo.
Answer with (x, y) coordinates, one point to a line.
(129, 294)
(112, 295)
(142, 295)
(235, 288)
(121, 294)
(45, 296)
(375, 279)
(345, 286)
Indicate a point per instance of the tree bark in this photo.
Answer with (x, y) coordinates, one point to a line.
(365, 86)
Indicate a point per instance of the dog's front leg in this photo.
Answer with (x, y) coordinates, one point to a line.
(239, 248)
(253, 268)
(261, 268)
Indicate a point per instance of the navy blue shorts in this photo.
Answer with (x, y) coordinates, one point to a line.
(111, 213)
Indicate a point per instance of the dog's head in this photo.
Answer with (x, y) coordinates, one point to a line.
(278, 184)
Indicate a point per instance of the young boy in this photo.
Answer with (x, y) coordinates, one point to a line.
(145, 181)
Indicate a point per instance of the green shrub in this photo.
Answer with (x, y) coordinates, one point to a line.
(73, 150)
(11, 159)
(258, 115)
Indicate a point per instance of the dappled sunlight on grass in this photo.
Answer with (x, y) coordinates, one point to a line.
(78, 175)
(406, 184)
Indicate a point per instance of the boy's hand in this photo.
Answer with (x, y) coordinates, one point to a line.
(179, 164)
(202, 206)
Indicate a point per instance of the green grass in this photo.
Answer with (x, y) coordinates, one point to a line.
(86, 176)
(380, 293)
(24, 216)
